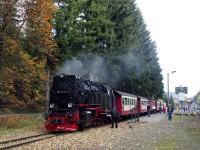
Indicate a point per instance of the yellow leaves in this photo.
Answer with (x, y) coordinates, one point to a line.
(9, 45)
(19, 66)
(26, 58)
(39, 16)
(9, 70)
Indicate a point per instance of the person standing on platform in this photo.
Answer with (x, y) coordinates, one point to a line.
(160, 109)
(170, 112)
(164, 109)
(114, 117)
(148, 110)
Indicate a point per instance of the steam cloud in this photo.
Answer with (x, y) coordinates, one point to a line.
(130, 62)
(94, 68)
(88, 67)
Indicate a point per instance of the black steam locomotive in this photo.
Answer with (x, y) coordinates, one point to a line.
(76, 103)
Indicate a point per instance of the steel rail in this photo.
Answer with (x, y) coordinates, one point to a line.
(20, 140)
(23, 138)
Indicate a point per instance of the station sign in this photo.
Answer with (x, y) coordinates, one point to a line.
(181, 89)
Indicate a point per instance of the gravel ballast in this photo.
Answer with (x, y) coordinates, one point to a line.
(143, 135)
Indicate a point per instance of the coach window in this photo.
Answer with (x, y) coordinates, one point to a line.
(126, 101)
(123, 101)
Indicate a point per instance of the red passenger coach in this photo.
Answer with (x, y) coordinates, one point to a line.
(153, 106)
(143, 105)
(127, 104)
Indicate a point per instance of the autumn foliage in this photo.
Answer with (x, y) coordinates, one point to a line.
(25, 51)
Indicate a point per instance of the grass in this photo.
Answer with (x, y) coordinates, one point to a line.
(18, 122)
(194, 134)
(184, 139)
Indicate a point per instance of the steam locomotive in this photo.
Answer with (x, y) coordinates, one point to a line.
(76, 103)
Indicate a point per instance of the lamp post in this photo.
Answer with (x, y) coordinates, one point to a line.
(168, 87)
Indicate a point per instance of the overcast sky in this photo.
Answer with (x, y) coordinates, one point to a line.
(175, 27)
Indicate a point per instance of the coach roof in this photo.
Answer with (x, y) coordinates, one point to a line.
(124, 94)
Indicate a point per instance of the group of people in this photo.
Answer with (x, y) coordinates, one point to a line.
(163, 109)
(169, 111)
(115, 115)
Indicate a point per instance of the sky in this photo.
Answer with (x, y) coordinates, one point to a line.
(175, 27)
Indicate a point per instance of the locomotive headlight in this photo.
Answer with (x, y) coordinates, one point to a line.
(69, 105)
(52, 105)
(61, 75)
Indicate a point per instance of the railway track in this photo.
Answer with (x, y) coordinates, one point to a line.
(25, 140)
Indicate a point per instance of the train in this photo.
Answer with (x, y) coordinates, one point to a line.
(76, 103)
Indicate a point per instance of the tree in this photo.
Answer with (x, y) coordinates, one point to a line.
(39, 42)
(197, 97)
(83, 27)
(39, 35)
(11, 56)
(18, 73)
(124, 16)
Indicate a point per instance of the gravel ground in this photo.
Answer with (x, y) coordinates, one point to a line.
(145, 135)
(19, 134)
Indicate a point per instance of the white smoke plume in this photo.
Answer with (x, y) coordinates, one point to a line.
(130, 62)
(94, 68)
(88, 67)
